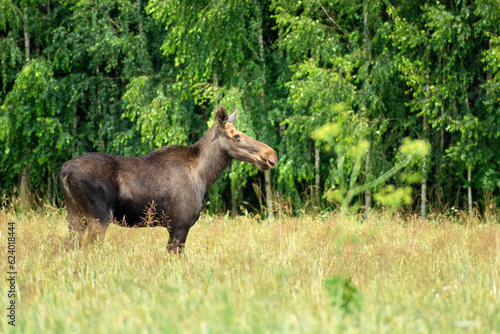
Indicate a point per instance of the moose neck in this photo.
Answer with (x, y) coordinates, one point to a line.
(211, 160)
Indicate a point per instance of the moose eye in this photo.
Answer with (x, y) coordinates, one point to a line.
(237, 136)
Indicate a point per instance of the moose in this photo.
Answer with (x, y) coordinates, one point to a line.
(173, 180)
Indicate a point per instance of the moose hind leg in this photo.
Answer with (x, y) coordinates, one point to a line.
(77, 226)
(176, 241)
(98, 226)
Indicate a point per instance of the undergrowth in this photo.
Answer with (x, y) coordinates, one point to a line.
(327, 273)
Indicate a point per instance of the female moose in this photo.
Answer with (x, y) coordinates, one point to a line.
(100, 187)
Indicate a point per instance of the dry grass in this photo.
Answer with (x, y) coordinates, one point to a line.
(247, 276)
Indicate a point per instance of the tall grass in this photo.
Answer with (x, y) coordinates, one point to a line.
(247, 276)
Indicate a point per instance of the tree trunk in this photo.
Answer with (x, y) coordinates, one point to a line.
(317, 176)
(141, 33)
(281, 127)
(102, 143)
(25, 189)
(469, 189)
(423, 191)
(139, 16)
(25, 192)
(54, 193)
(365, 25)
(234, 203)
(267, 173)
(423, 187)
(469, 167)
(368, 192)
(49, 190)
(439, 163)
(26, 35)
(48, 14)
(269, 195)
(368, 203)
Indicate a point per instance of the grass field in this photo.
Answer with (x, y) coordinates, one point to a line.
(389, 274)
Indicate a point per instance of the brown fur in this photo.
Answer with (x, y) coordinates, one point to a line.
(100, 187)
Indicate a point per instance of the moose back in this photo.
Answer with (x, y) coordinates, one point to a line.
(168, 183)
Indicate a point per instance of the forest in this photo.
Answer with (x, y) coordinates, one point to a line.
(378, 103)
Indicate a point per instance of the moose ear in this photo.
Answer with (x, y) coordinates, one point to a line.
(221, 116)
(232, 117)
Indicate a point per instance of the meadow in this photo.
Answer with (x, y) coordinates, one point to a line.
(317, 273)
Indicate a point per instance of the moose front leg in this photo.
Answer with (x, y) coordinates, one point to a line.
(176, 241)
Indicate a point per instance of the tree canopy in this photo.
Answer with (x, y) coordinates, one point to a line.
(129, 76)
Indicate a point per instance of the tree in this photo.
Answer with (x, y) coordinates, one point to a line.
(340, 55)
(220, 51)
(437, 45)
(110, 75)
(65, 98)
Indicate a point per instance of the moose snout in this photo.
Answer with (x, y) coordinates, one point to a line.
(271, 162)
(272, 159)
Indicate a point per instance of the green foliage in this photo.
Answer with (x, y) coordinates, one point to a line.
(343, 294)
(129, 76)
(159, 113)
(349, 160)
(437, 53)
(415, 148)
(65, 101)
(219, 50)
(35, 130)
(394, 197)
